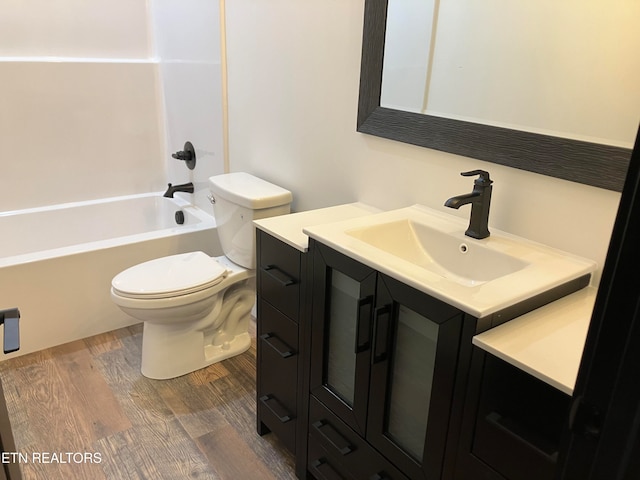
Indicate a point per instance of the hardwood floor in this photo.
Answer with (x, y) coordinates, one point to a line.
(88, 397)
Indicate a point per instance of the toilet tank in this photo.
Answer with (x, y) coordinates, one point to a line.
(238, 199)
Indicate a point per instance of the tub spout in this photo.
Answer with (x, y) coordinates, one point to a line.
(185, 187)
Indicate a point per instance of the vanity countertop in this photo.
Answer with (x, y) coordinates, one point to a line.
(547, 342)
(288, 228)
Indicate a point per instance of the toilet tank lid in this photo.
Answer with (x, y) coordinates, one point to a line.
(249, 191)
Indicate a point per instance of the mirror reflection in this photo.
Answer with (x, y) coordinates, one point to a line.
(568, 69)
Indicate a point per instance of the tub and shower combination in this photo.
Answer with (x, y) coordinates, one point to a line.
(57, 262)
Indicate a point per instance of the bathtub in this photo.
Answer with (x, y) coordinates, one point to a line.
(58, 261)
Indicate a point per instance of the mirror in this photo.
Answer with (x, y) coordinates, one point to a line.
(578, 159)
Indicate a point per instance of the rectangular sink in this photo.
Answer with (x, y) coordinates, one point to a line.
(428, 250)
(456, 259)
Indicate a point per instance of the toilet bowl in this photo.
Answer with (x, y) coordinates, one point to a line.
(196, 308)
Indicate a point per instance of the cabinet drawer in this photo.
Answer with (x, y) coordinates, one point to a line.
(279, 274)
(323, 466)
(278, 357)
(346, 451)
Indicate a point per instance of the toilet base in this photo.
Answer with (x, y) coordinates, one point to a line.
(160, 363)
(171, 350)
(237, 345)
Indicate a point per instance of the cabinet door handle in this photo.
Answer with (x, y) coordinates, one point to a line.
(332, 436)
(363, 324)
(324, 471)
(281, 348)
(278, 275)
(276, 408)
(381, 334)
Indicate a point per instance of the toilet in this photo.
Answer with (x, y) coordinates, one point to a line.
(196, 308)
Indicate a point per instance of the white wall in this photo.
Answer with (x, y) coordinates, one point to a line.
(187, 42)
(293, 72)
(79, 102)
(95, 96)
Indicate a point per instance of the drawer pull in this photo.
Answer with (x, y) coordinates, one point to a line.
(278, 275)
(330, 434)
(276, 408)
(509, 428)
(281, 348)
(324, 471)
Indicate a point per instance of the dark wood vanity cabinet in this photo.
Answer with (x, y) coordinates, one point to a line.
(384, 361)
(364, 377)
(280, 272)
(512, 423)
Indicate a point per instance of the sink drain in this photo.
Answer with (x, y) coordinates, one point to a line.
(463, 248)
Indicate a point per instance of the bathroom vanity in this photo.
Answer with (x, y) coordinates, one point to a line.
(365, 372)
(283, 307)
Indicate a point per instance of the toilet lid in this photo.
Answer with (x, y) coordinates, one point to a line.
(169, 276)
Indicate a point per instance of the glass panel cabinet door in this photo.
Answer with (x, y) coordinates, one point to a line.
(415, 344)
(341, 330)
(341, 326)
(411, 380)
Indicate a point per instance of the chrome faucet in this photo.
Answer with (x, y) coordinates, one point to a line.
(185, 187)
(480, 200)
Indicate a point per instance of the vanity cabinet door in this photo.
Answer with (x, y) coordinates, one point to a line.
(415, 343)
(513, 423)
(343, 296)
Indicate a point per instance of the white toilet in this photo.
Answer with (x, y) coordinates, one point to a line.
(196, 308)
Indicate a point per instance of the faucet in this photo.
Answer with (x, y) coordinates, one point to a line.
(185, 187)
(480, 200)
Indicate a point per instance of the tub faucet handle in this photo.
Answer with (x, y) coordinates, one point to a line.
(188, 155)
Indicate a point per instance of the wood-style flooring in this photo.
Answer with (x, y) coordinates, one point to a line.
(89, 397)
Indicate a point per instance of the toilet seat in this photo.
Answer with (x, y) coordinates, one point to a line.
(169, 276)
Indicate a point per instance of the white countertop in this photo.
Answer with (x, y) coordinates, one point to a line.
(288, 228)
(428, 250)
(547, 342)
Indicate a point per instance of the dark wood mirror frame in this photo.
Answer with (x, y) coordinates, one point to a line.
(583, 162)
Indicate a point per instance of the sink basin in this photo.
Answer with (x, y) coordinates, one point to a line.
(461, 261)
(427, 249)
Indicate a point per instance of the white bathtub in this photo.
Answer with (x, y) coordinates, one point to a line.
(57, 262)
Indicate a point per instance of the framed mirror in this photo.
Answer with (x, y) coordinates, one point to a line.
(597, 164)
